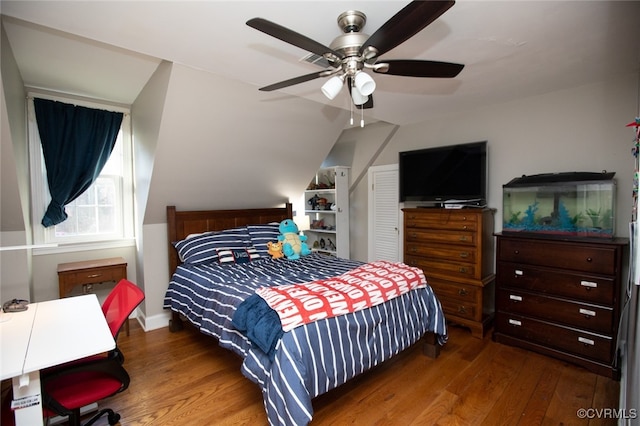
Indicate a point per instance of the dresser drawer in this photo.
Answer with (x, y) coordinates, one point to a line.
(463, 254)
(573, 340)
(465, 293)
(417, 235)
(455, 308)
(436, 266)
(93, 276)
(458, 299)
(584, 258)
(452, 221)
(584, 287)
(589, 317)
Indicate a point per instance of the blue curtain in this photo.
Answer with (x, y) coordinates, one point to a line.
(76, 143)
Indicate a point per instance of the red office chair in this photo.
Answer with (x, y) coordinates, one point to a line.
(119, 304)
(67, 388)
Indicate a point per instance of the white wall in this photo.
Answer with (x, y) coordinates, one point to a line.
(15, 276)
(580, 129)
(215, 144)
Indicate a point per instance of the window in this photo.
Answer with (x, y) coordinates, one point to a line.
(104, 212)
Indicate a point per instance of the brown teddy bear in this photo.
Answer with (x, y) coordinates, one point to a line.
(275, 249)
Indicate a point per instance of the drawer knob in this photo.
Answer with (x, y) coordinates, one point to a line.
(515, 322)
(462, 310)
(586, 342)
(414, 235)
(518, 273)
(515, 298)
(414, 249)
(587, 313)
(463, 292)
(93, 275)
(589, 259)
(463, 270)
(588, 285)
(464, 254)
(464, 227)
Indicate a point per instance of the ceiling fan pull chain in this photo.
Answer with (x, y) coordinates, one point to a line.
(351, 111)
(362, 116)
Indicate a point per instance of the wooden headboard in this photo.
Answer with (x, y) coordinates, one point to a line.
(182, 223)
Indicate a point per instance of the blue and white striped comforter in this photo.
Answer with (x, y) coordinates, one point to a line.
(312, 359)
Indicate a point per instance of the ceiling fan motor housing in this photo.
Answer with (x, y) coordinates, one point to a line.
(351, 23)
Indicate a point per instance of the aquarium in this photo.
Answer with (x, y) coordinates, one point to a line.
(573, 204)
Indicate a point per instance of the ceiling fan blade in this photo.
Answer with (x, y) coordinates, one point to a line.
(417, 68)
(291, 37)
(405, 24)
(292, 81)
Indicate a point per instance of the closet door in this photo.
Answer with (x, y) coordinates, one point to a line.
(384, 208)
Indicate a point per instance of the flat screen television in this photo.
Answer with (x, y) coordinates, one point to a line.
(437, 175)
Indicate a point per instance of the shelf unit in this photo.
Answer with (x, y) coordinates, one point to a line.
(327, 205)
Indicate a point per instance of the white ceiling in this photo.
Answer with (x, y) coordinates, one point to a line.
(511, 49)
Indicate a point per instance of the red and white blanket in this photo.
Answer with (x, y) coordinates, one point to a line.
(368, 285)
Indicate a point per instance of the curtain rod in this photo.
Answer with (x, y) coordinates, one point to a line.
(79, 101)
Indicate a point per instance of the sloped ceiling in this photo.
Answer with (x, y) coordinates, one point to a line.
(511, 49)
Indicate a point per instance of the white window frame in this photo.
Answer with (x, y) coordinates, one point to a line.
(40, 196)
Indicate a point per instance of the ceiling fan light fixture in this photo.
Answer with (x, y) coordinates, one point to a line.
(364, 83)
(332, 87)
(358, 98)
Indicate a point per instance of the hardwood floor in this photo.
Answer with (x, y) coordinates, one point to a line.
(186, 379)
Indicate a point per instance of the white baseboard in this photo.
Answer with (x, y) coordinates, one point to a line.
(155, 321)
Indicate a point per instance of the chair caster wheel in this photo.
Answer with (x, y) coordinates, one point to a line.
(114, 418)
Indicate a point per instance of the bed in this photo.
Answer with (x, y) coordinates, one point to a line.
(310, 359)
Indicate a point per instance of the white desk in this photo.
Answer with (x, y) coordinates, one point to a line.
(48, 334)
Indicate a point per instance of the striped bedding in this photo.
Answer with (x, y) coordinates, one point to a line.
(311, 359)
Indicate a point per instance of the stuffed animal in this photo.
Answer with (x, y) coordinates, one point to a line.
(293, 244)
(275, 249)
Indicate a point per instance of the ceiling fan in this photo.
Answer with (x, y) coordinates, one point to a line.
(353, 51)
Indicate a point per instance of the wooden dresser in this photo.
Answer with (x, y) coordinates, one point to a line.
(454, 248)
(561, 298)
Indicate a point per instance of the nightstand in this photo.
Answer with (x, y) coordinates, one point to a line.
(90, 272)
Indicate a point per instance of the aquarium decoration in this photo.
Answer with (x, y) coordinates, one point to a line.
(572, 204)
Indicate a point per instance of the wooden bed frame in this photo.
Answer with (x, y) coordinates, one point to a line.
(182, 223)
